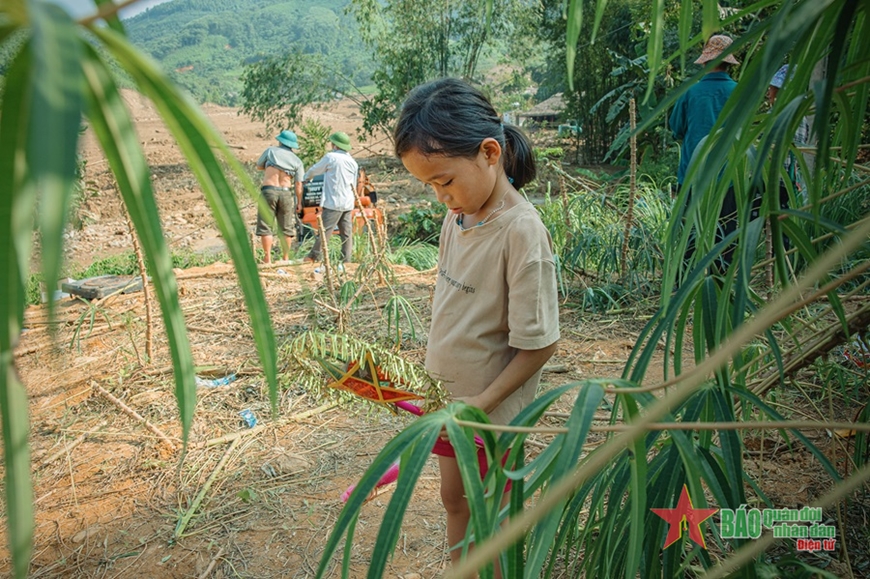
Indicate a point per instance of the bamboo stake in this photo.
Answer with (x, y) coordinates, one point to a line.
(563, 194)
(133, 414)
(632, 189)
(368, 227)
(185, 518)
(748, 425)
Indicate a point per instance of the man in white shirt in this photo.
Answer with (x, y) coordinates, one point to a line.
(339, 172)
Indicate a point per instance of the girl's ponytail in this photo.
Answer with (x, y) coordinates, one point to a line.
(519, 158)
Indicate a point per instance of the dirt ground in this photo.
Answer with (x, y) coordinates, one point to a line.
(111, 485)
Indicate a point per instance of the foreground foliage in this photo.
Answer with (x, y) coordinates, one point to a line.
(59, 75)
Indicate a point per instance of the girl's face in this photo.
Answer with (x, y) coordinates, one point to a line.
(463, 185)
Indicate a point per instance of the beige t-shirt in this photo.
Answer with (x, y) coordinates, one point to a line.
(495, 294)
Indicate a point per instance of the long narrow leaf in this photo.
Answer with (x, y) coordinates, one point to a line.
(424, 426)
(17, 202)
(413, 461)
(54, 129)
(196, 137)
(114, 130)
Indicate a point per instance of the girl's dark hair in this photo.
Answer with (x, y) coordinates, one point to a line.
(450, 117)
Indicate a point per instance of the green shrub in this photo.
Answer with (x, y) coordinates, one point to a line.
(421, 223)
(312, 142)
(419, 255)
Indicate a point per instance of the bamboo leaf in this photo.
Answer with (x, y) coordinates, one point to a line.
(196, 137)
(575, 22)
(599, 14)
(113, 21)
(54, 130)
(111, 123)
(424, 426)
(655, 43)
(834, 60)
(709, 18)
(569, 448)
(826, 464)
(16, 457)
(466, 459)
(412, 463)
(685, 31)
(17, 202)
(348, 549)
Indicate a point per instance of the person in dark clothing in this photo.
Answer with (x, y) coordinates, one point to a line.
(696, 111)
(693, 117)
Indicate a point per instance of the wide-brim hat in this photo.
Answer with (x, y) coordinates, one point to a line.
(288, 139)
(779, 77)
(340, 140)
(714, 47)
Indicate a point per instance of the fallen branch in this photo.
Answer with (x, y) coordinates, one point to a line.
(233, 436)
(133, 414)
(67, 448)
(185, 518)
(212, 563)
(211, 331)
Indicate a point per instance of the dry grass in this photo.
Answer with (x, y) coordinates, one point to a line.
(110, 493)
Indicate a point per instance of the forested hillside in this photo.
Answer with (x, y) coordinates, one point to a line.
(204, 44)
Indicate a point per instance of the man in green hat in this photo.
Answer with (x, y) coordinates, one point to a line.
(282, 192)
(339, 172)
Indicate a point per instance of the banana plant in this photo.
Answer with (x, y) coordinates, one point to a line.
(59, 74)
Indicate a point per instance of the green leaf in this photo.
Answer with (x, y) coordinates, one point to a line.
(14, 409)
(575, 22)
(709, 18)
(569, 448)
(685, 31)
(196, 138)
(111, 123)
(54, 129)
(426, 427)
(413, 460)
(113, 21)
(654, 45)
(17, 201)
(599, 14)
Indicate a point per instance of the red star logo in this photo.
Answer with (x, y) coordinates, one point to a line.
(685, 514)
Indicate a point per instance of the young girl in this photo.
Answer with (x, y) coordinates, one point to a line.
(495, 314)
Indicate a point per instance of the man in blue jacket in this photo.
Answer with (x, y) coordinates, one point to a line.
(695, 112)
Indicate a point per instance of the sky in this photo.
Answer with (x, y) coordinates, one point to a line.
(79, 8)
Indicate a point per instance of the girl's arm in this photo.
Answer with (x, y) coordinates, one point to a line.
(515, 374)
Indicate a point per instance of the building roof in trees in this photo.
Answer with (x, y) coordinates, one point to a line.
(548, 110)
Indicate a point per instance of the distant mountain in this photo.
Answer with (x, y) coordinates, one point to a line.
(204, 44)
